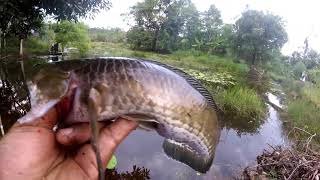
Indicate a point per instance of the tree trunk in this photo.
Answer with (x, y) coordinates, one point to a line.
(21, 47)
(154, 40)
(254, 57)
(2, 43)
(62, 48)
(154, 44)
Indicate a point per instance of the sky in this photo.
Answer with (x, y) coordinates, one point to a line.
(301, 17)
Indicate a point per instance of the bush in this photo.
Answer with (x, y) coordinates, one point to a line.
(34, 45)
(298, 69)
(292, 86)
(242, 102)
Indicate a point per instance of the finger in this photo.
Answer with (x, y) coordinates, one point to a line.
(76, 134)
(109, 138)
(47, 121)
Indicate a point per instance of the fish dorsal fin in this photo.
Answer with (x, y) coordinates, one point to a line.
(191, 80)
(186, 155)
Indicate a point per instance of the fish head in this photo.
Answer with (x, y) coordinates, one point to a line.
(47, 87)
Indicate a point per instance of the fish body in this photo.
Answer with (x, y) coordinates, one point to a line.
(156, 95)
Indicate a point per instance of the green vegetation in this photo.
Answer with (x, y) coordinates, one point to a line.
(241, 102)
(312, 93)
(302, 97)
(304, 114)
(36, 46)
(72, 34)
(19, 18)
(234, 61)
(238, 63)
(112, 35)
(258, 36)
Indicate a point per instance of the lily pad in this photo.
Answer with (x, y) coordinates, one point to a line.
(112, 163)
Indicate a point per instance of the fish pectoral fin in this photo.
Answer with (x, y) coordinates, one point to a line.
(38, 111)
(146, 122)
(185, 154)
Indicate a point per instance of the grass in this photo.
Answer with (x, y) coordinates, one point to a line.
(303, 105)
(304, 114)
(242, 101)
(183, 59)
(312, 93)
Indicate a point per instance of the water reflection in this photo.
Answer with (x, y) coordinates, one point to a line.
(241, 125)
(14, 99)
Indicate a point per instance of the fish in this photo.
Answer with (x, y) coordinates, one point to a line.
(156, 95)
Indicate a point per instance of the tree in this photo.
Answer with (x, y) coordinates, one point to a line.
(172, 26)
(223, 39)
(211, 21)
(308, 56)
(114, 35)
(22, 25)
(192, 30)
(298, 69)
(258, 36)
(160, 20)
(74, 34)
(139, 38)
(70, 9)
(18, 18)
(149, 16)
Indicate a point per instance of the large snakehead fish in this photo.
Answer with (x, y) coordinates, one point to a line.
(156, 95)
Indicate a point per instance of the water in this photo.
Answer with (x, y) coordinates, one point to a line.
(240, 142)
(235, 151)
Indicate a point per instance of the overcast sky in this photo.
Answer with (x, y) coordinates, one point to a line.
(302, 17)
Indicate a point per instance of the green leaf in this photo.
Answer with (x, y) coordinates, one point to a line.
(112, 163)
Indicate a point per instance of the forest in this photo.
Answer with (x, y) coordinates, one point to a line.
(239, 63)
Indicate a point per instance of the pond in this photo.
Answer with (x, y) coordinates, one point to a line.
(234, 152)
(241, 141)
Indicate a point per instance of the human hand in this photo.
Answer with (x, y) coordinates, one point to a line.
(34, 151)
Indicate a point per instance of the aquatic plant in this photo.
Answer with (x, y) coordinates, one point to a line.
(241, 102)
(219, 79)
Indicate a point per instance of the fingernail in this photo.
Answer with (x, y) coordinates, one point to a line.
(67, 131)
